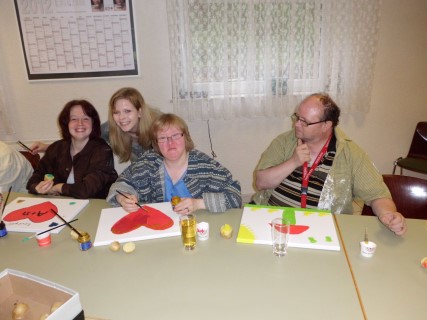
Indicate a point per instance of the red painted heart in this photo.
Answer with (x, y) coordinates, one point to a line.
(37, 213)
(150, 218)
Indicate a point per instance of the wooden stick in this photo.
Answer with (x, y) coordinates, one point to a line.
(24, 146)
(121, 193)
(66, 222)
(7, 198)
(37, 234)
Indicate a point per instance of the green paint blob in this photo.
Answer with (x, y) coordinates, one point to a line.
(312, 240)
(290, 215)
(328, 239)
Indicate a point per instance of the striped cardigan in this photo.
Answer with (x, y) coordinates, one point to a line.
(205, 178)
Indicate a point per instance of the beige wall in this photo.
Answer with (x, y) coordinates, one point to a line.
(399, 97)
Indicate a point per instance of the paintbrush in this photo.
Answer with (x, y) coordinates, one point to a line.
(24, 146)
(121, 193)
(4, 204)
(66, 222)
(37, 234)
(366, 236)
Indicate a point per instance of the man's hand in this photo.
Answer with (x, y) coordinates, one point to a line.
(394, 221)
(301, 154)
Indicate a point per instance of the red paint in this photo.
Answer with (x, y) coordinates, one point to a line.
(37, 213)
(294, 229)
(153, 219)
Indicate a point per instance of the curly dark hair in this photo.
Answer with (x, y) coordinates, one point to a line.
(88, 109)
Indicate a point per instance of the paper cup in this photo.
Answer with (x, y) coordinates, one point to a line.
(203, 231)
(44, 239)
(367, 249)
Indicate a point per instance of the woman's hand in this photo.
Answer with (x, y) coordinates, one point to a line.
(189, 205)
(129, 203)
(56, 190)
(44, 187)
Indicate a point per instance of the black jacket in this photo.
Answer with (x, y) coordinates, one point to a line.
(93, 169)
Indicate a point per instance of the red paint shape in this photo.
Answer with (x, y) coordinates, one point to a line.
(37, 213)
(150, 218)
(294, 229)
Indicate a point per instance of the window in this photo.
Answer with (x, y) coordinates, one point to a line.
(235, 58)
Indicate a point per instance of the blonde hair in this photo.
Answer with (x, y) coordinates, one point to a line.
(121, 142)
(165, 121)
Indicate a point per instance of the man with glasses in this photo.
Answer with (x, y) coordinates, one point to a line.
(316, 166)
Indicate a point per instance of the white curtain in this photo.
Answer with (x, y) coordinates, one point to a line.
(251, 58)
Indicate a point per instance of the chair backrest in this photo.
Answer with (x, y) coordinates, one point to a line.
(409, 194)
(418, 148)
(33, 158)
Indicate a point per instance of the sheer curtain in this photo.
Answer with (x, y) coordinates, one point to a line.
(251, 58)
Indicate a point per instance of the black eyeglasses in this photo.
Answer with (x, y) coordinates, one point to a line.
(296, 118)
(174, 137)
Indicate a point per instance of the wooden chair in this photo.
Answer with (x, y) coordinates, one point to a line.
(416, 160)
(409, 194)
(33, 158)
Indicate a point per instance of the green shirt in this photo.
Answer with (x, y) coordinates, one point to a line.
(352, 175)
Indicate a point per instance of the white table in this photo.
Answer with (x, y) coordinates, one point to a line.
(392, 284)
(221, 279)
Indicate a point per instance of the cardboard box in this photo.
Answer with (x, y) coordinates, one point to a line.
(39, 294)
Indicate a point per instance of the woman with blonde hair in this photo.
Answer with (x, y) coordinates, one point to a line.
(129, 121)
(127, 128)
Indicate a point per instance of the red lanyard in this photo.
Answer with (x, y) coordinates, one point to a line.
(307, 173)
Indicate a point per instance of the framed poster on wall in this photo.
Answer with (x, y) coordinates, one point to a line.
(65, 39)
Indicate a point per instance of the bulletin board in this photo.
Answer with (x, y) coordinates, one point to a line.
(77, 38)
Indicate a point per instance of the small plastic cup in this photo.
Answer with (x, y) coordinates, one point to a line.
(44, 239)
(203, 231)
(280, 230)
(188, 227)
(367, 249)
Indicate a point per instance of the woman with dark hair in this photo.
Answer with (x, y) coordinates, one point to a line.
(126, 131)
(175, 168)
(82, 162)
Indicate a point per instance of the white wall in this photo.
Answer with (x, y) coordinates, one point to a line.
(399, 97)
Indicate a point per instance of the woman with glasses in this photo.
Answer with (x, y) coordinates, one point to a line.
(175, 168)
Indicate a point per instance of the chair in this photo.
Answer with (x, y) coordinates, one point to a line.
(33, 158)
(409, 195)
(416, 160)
